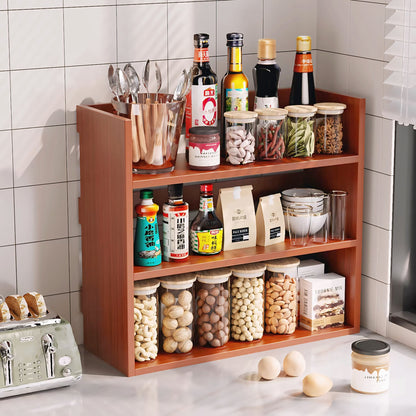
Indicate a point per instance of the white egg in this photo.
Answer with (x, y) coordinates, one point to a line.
(294, 364)
(316, 384)
(269, 368)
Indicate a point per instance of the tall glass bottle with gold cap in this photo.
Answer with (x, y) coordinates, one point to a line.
(303, 87)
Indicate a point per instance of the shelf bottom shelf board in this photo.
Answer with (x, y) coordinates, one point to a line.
(200, 355)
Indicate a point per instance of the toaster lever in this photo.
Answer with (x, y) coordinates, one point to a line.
(49, 351)
(6, 358)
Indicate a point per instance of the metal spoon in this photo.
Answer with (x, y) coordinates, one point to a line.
(146, 76)
(112, 82)
(158, 79)
(181, 87)
(134, 81)
(122, 84)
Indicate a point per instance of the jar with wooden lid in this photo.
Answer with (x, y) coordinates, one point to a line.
(281, 296)
(145, 320)
(247, 302)
(300, 136)
(213, 307)
(328, 129)
(176, 313)
(270, 133)
(370, 366)
(240, 136)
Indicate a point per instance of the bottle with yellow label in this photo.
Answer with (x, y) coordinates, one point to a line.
(206, 228)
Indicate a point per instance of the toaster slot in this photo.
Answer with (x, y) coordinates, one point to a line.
(7, 358)
(49, 351)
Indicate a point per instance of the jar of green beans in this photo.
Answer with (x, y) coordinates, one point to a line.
(300, 136)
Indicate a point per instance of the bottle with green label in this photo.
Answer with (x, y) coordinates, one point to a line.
(147, 251)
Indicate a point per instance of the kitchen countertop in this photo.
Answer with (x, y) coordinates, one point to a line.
(228, 387)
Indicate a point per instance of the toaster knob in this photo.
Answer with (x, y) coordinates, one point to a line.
(66, 372)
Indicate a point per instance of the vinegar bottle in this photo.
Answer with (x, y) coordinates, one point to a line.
(303, 87)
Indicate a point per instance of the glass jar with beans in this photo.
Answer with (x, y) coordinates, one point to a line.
(145, 320)
(176, 313)
(300, 136)
(213, 307)
(270, 133)
(281, 296)
(247, 302)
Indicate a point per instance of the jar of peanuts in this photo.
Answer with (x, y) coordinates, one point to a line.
(145, 320)
(270, 133)
(247, 302)
(239, 136)
(281, 296)
(328, 128)
(213, 307)
(176, 313)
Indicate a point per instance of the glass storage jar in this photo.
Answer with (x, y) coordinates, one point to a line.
(247, 302)
(213, 307)
(328, 128)
(145, 320)
(270, 133)
(239, 136)
(204, 148)
(300, 136)
(370, 366)
(281, 296)
(176, 313)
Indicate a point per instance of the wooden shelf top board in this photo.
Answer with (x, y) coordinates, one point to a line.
(182, 174)
(233, 257)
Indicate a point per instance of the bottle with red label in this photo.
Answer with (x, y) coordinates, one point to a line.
(175, 225)
(202, 100)
(303, 87)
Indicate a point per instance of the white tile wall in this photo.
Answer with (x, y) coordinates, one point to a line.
(8, 270)
(34, 4)
(4, 41)
(5, 121)
(72, 152)
(73, 195)
(332, 71)
(60, 304)
(6, 217)
(6, 160)
(76, 317)
(75, 263)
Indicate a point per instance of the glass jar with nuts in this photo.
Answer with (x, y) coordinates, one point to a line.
(247, 302)
(176, 313)
(328, 129)
(145, 320)
(281, 296)
(213, 307)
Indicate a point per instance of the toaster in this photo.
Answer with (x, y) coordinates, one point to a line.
(37, 354)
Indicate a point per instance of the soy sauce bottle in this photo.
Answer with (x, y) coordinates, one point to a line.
(303, 87)
(266, 75)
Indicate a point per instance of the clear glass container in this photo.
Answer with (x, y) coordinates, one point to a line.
(328, 129)
(213, 307)
(270, 132)
(300, 136)
(281, 296)
(177, 313)
(240, 136)
(247, 302)
(145, 320)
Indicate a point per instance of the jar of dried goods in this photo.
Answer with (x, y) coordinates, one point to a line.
(328, 129)
(247, 302)
(270, 133)
(145, 319)
(281, 296)
(213, 308)
(176, 313)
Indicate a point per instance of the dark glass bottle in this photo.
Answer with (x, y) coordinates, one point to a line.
(206, 228)
(303, 87)
(202, 100)
(266, 75)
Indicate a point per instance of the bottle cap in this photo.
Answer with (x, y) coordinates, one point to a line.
(175, 191)
(146, 194)
(201, 40)
(266, 49)
(235, 39)
(370, 347)
(206, 187)
(303, 43)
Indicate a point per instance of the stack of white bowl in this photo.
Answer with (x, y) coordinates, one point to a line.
(306, 196)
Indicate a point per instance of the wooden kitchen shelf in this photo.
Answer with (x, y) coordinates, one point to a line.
(106, 212)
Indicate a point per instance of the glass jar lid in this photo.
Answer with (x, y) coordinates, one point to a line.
(330, 108)
(213, 276)
(146, 287)
(249, 270)
(278, 265)
(181, 281)
(271, 113)
(370, 347)
(240, 116)
(301, 110)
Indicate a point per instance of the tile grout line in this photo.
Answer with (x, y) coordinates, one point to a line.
(377, 226)
(351, 56)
